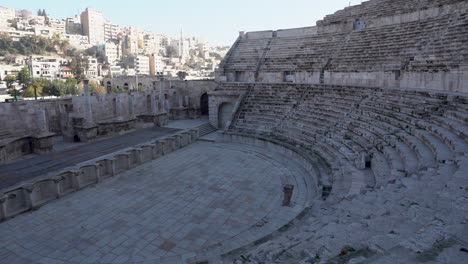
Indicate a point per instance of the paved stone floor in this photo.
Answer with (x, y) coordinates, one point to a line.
(201, 201)
(69, 155)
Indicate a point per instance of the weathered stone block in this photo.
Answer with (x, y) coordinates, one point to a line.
(17, 202)
(134, 158)
(157, 149)
(168, 145)
(87, 176)
(146, 153)
(177, 139)
(68, 183)
(121, 162)
(105, 168)
(43, 192)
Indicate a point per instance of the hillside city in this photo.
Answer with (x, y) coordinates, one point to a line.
(42, 55)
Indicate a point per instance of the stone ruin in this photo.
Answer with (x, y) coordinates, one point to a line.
(29, 126)
(373, 101)
(371, 104)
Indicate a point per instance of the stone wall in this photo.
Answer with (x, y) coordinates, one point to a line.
(181, 98)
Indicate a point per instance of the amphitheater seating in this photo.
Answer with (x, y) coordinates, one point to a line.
(395, 132)
(398, 47)
(247, 54)
(301, 53)
(431, 44)
(381, 8)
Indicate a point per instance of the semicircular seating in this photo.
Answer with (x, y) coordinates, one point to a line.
(366, 136)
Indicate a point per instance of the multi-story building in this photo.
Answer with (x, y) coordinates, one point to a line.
(110, 51)
(93, 26)
(152, 44)
(142, 65)
(111, 31)
(45, 68)
(93, 68)
(6, 14)
(77, 41)
(73, 26)
(156, 65)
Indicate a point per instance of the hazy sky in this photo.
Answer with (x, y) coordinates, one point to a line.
(216, 21)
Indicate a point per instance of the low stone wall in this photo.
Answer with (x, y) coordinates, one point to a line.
(39, 191)
(13, 148)
(308, 161)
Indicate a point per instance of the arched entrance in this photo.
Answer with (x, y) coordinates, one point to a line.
(224, 114)
(204, 104)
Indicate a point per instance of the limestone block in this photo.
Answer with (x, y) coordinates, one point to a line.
(177, 139)
(194, 135)
(2, 208)
(68, 183)
(121, 162)
(106, 168)
(88, 175)
(43, 143)
(43, 192)
(168, 145)
(134, 158)
(185, 139)
(17, 202)
(157, 149)
(146, 153)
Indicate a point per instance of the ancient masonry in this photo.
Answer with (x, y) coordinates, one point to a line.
(345, 142)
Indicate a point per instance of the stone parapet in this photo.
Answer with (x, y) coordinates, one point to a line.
(33, 194)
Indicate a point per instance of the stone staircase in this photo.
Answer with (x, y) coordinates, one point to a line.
(206, 129)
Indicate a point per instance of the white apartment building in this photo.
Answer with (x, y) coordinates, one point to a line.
(93, 26)
(77, 41)
(46, 68)
(111, 31)
(5, 15)
(110, 51)
(158, 64)
(182, 46)
(142, 65)
(93, 68)
(152, 44)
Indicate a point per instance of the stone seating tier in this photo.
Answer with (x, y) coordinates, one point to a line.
(381, 8)
(399, 132)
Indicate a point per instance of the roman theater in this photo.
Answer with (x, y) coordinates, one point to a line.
(343, 142)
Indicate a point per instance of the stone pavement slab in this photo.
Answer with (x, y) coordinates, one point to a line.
(198, 202)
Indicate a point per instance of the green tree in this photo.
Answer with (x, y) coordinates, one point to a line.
(10, 79)
(182, 75)
(24, 78)
(71, 88)
(29, 92)
(79, 65)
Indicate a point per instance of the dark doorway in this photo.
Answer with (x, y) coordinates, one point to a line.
(204, 104)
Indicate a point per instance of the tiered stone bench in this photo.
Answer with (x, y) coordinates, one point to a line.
(395, 133)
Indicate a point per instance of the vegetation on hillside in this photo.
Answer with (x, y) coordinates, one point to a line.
(34, 45)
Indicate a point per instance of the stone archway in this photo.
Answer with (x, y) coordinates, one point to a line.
(224, 114)
(204, 108)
